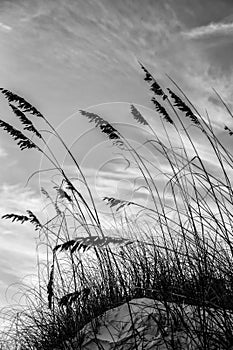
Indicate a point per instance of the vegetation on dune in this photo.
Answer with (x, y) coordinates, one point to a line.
(173, 249)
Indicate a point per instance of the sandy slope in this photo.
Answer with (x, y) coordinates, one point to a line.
(153, 328)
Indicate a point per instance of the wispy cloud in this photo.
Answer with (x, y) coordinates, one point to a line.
(213, 29)
(17, 244)
(3, 153)
(13, 197)
(5, 27)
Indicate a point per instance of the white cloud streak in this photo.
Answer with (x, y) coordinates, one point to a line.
(213, 29)
(3, 153)
(5, 27)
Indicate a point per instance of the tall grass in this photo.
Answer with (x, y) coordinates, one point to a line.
(175, 248)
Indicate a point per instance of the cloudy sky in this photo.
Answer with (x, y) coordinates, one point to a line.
(64, 56)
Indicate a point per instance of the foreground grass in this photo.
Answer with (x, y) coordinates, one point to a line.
(173, 250)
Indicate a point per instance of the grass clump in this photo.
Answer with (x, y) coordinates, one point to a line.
(175, 249)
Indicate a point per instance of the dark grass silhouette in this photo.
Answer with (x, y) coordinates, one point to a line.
(178, 251)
